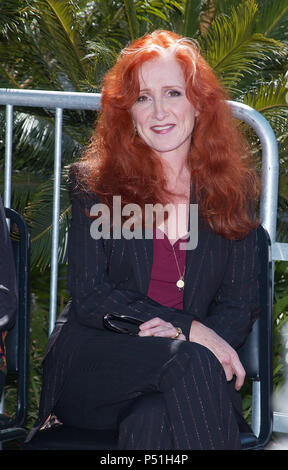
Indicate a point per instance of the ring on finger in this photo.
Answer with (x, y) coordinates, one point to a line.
(179, 332)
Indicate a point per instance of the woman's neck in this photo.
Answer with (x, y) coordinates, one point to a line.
(177, 177)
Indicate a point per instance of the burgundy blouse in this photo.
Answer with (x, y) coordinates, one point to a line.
(164, 274)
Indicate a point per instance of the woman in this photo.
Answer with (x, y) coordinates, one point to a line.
(165, 136)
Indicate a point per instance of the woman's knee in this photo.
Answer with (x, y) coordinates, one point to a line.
(190, 358)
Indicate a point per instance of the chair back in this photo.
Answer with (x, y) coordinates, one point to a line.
(256, 353)
(17, 340)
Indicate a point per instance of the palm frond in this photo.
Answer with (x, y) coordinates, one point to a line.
(272, 20)
(159, 9)
(24, 187)
(58, 26)
(33, 138)
(270, 99)
(9, 17)
(104, 21)
(232, 47)
(101, 57)
(283, 186)
(39, 215)
(191, 20)
(130, 9)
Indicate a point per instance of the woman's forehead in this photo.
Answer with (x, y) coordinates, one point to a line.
(159, 71)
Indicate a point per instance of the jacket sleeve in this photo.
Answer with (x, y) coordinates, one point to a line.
(8, 286)
(236, 304)
(92, 293)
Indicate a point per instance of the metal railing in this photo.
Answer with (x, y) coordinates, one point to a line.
(92, 101)
(58, 101)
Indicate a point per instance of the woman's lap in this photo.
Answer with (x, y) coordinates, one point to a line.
(111, 370)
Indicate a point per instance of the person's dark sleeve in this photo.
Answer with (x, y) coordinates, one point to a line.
(236, 305)
(93, 295)
(8, 286)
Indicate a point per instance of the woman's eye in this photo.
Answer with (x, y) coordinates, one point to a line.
(174, 93)
(141, 99)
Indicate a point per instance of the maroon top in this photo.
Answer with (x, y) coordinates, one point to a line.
(165, 274)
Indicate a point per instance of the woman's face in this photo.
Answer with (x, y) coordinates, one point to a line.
(162, 114)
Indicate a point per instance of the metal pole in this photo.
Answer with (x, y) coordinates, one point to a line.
(55, 222)
(268, 204)
(7, 182)
(8, 155)
(50, 99)
(270, 164)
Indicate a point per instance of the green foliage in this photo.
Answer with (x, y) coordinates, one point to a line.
(131, 14)
(280, 319)
(191, 18)
(69, 45)
(234, 49)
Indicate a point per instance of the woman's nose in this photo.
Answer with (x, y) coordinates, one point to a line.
(159, 110)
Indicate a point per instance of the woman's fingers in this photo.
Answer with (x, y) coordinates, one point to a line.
(226, 355)
(154, 322)
(232, 366)
(240, 374)
(158, 327)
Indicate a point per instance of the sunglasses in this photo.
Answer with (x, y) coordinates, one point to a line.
(109, 323)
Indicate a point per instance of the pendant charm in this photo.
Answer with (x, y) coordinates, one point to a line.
(180, 283)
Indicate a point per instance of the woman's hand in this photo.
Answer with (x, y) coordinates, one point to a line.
(158, 327)
(226, 355)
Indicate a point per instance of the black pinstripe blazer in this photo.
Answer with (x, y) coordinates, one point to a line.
(112, 275)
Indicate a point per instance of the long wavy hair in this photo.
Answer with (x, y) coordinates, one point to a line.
(118, 162)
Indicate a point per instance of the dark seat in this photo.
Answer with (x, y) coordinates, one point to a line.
(256, 353)
(256, 357)
(17, 340)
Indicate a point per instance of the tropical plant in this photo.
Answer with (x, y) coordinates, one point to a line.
(68, 45)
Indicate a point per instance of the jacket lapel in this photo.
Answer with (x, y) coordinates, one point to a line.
(195, 258)
(195, 261)
(141, 252)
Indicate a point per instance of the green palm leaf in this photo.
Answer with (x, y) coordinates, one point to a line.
(270, 99)
(283, 187)
(58, 25)
(232, 47)
(191, 20)
(130, 8)
(24, 187)
(272, 20)
(33, 139)
(38, 215)
(9, 17)
(103, 21)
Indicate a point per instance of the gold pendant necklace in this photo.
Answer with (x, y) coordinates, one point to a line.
(180, 283)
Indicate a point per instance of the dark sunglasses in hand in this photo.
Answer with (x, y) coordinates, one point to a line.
(110, 319)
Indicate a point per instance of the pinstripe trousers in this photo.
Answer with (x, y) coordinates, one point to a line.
(194, 413)
(184, 405)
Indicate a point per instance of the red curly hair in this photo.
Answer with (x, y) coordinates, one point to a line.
(118, 162)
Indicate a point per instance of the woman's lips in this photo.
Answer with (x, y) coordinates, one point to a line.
(162, 129)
